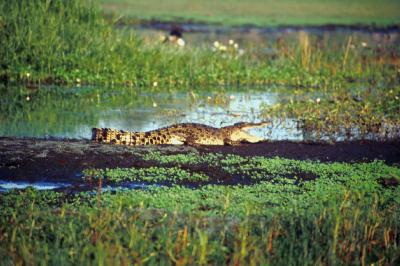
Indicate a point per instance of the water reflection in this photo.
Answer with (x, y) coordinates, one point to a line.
(39, 185)
(72, 112)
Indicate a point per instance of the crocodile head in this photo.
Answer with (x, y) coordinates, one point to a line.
(247, 125)
(237, 131)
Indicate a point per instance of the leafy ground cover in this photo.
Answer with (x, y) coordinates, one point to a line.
(262, 13)
(151, 174)
(344, 215)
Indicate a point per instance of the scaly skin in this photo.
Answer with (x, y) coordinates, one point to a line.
(179, 134)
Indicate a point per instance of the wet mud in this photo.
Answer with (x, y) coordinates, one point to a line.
(64, 160)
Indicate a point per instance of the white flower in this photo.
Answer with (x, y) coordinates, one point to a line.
(78, 80)
(208, 98)
(364, 44)
(216, 44)
(318, 100)
(154, 104)
(28, 74)
(155, 84)
(232, 97)
(236, 46)
(231, 42)
(180, 42)
(222, 48)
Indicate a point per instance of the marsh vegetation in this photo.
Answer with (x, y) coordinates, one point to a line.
(67, 66)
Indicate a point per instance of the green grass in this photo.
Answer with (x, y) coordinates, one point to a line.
(46, 44)
(261, 12)
(344, 216)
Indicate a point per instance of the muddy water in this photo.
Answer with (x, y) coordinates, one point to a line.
(72, 112)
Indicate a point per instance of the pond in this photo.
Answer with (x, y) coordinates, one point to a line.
(72, 112)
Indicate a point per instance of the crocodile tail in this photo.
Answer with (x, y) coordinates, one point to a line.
(100, 135)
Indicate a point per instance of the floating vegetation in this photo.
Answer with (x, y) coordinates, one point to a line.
(151, 174)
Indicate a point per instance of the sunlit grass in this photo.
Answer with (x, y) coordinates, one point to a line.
(80, 47)
(261, 13)
(343, 216)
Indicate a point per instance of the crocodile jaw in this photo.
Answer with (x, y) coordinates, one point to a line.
(241, 135)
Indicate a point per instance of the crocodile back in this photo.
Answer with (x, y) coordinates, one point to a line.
(121, 137)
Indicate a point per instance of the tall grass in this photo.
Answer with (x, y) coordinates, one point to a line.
(68, 41)
(37, 228)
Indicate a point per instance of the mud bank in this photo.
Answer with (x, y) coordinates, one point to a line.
(34, 159)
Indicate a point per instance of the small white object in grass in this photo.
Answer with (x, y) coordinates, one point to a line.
(78, 80)
(222, 48)
(155, 104)
(232, 97)
(364, 44)
(236, 46)
(155, 84)
(208, 98)
(216, 44)
(180, 42)
(318, 100)
(28, 98)
(231, 42)
(28, 75)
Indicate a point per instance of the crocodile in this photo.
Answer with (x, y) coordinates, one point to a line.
(181, 134)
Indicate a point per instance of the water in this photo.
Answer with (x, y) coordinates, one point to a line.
(6, 185)
(39, 185)
(72, 112)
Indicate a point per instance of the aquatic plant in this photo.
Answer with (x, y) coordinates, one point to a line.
(151, 174)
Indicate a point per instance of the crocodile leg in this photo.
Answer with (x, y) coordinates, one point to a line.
(230, 142)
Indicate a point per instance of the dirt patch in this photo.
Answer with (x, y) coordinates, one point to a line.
(64, 160)
(389, 182)
(349, 151)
